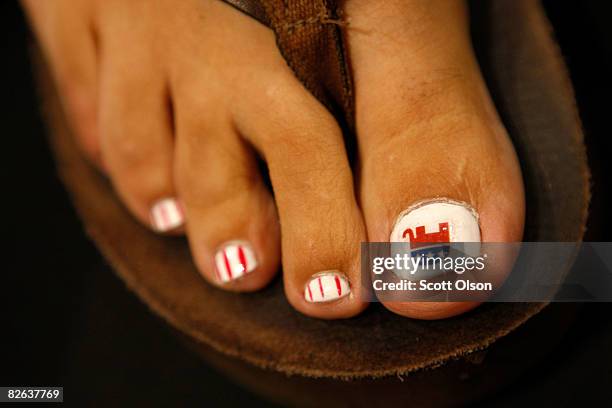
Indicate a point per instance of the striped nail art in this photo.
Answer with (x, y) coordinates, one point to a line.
(233, 260)
(326, 286)
(167, 214)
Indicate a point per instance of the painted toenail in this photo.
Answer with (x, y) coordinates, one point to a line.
(327, 286)
(439, 220)
(167, 214)
(234, 260)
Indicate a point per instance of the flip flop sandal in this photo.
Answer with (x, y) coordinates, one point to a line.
(376, 357)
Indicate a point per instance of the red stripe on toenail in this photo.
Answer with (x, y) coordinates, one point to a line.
(242, 258)
(338, 285)
(321, 288)
(309, 291)
(164, 215)
(218, 274)
(227, 265)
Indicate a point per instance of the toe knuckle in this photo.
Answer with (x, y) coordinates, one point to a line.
(128, 153)
(124, 149)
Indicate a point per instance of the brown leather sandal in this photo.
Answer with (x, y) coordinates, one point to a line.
(259, 338)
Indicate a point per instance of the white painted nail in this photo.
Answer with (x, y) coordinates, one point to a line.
(167, 214)
(234, 260)
(326, 286)
(439, 220)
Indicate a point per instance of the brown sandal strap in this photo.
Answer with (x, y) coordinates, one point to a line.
(252, 8)
(309, 36)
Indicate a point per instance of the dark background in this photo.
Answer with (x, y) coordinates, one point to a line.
(65, 319)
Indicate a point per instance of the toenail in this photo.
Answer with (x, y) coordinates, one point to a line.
(327, 286)
(234, 260)
(439, 220)
(167, 214)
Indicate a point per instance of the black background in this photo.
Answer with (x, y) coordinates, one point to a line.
(65, 319)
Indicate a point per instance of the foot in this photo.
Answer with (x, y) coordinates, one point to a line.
(432, 149)
(175, 108)
(175, 101)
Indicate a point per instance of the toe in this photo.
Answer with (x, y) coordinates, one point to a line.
(434, 157)
(467, 191)
(233, 225)
(65, 31)
(321, 224)
(136, 140)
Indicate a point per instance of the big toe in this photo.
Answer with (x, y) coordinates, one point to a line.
(434, 156)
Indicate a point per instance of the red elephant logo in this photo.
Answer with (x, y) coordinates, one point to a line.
(422, 238)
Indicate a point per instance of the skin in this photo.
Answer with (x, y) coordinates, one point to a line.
(178, 98)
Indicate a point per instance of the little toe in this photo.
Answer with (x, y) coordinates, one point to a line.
(137, 142)
(65, 31)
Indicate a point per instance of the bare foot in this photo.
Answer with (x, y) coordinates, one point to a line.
(175, 100)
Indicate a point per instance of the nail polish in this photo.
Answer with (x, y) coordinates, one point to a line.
(430, 227)
(326, 286)
(436, 221)
(167, 214)
(234, 260)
